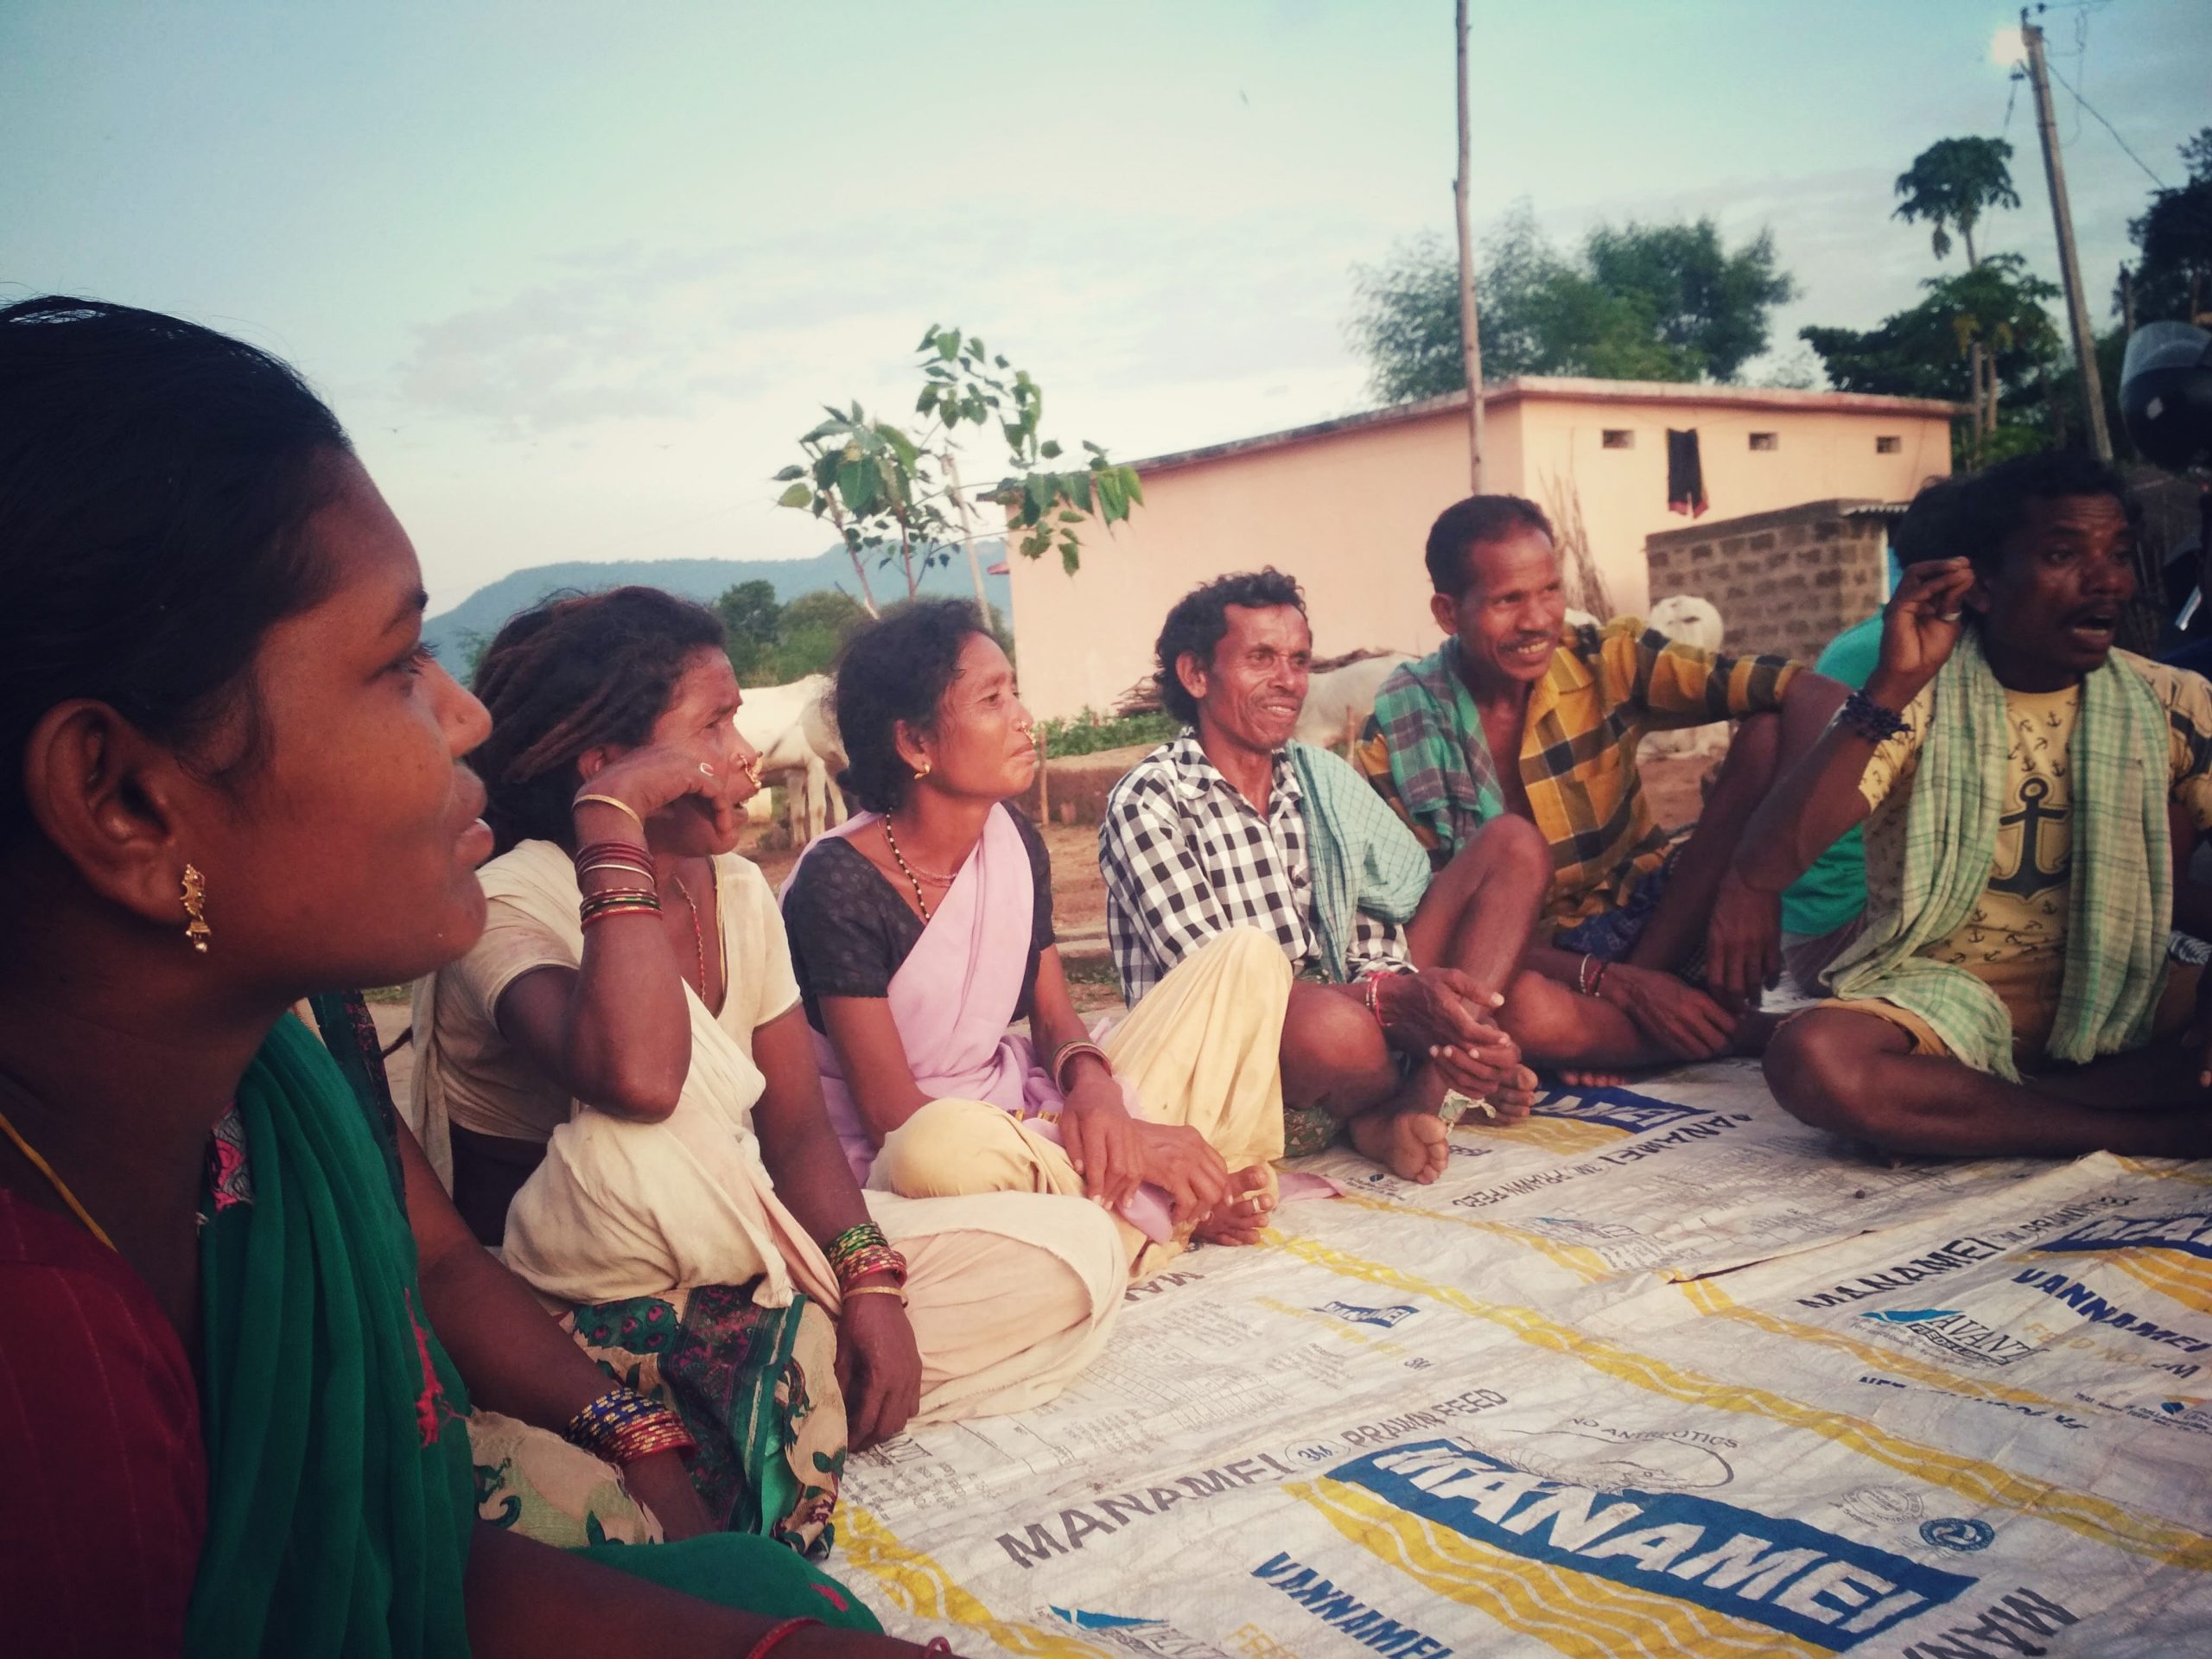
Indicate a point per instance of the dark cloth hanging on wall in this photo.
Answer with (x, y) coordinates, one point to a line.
(1685, 474)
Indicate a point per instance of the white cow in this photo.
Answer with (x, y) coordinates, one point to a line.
(1343, 698)
(1689, 620)
(793, 728)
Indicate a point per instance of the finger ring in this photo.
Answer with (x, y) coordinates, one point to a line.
(706, 769)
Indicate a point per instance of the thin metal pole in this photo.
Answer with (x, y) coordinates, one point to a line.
(1471, 340)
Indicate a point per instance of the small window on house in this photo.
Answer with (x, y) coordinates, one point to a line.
(1619, 438)
(1888, 446)
(1766, 441)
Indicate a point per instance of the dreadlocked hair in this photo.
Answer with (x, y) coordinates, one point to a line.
(576, 672)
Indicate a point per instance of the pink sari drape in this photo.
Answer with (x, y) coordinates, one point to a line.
(953, 997)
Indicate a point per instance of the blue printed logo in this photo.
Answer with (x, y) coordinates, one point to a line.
(1384, 1317)
(1785, 1574)
(2190, 1233)
(1617, 1108)
(1957, 1532)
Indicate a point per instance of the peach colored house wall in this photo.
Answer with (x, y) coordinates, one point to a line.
(1346, 507)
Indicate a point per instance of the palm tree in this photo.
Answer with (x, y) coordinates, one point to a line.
(1951, 184)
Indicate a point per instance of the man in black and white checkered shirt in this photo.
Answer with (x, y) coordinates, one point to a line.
(1211, 831)
(1185, 856)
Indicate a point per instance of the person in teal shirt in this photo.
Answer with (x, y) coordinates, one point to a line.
(1822, 906)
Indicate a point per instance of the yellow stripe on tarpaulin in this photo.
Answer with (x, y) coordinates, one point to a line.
(1711, 1300)
(1970, 1477)
(1578, 1259)
(1578, 1613)
(927, 1590)
(1564, 1135)
(2182, 1278)
(2188, 1172)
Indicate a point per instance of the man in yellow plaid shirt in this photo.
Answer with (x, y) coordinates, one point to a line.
(1648, 951)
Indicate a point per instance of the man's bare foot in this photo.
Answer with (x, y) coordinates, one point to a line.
(1244, 1213)
(1411, 1142)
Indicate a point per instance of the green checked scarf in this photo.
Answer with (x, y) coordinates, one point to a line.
(2122, 880)
(1439, 759)
(1359, 853)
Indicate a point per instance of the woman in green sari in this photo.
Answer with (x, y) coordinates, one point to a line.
(228, 1425)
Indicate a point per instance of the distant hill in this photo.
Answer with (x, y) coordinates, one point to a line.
(484, 611)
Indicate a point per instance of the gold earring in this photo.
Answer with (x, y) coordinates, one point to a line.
(922, 771)
(195, 899)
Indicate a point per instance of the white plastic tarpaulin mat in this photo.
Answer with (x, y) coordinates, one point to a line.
(1661, 1371)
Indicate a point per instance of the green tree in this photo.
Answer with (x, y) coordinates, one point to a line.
(1636, 302)
(2173, 237)
(1991, 321)
(811, 630)
(1704, 302)
(751, 628)
(1950, 184)
(897, 493)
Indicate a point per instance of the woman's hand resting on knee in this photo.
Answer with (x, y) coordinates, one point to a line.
(879, 1368)
(1179, 1163)
(1101, 1139)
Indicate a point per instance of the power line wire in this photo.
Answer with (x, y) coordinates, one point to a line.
(2085, 103)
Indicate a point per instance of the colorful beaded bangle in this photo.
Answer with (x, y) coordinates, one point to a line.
(611, 1426)
(853, 1238)
(636, 1441)
(876, 1258)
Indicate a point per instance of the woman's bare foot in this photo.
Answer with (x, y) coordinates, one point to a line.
(1411, 1142)
(1511, 1100)
(1247, 1211)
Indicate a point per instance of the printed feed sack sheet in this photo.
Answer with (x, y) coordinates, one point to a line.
(1662, 1372)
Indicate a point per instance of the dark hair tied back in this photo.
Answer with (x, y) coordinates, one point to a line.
(155, 478)
(572, 673)
(897, 669)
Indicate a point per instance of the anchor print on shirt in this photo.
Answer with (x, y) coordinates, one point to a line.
(2043, 856)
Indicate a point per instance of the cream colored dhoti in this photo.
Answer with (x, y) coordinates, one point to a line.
(1202, 1050)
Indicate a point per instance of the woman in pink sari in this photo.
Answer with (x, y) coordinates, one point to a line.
(922, 930)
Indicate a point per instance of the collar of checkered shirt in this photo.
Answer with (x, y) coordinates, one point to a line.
(1192, 776)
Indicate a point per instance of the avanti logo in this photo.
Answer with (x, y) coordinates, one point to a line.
(1952, 1333)
(1154, 1637)
(1787, 1575)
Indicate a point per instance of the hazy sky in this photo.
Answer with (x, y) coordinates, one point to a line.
(575, 278)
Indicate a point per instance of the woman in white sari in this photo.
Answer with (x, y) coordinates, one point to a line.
(624, 1051)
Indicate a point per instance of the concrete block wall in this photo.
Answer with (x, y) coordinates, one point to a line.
(1786, 583)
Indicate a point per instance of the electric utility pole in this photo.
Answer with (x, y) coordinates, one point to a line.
(2070, 268)
(1471, 342)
